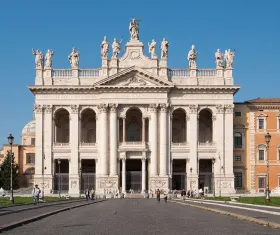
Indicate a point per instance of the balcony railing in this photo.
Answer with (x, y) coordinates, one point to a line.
(57, 144)
(133, 144)
(89, 72)
(58, 73)
(206, 144)
(88, 144)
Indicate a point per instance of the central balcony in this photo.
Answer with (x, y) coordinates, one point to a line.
(207, 149)
(133, 146)
(180, 147)
(61, 147)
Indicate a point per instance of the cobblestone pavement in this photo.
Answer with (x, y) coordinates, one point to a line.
(140, 216)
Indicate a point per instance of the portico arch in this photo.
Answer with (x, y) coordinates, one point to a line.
(205, 126)
(133, 124)
(179, 127)
(61, 120)
(88, 126)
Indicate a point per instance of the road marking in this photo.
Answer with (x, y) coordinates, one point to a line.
(238, 207)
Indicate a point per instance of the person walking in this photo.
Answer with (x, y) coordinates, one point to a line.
(36, 194)
(158, 195)
(87, 194)
(92, 194)
(183, 194)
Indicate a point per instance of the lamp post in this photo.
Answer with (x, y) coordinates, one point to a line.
(80, 185)
(59, 186)
(11, 140)
(191, 177)
(267, 192)
(213, 180)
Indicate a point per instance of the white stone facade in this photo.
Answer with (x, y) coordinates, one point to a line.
(134, 108)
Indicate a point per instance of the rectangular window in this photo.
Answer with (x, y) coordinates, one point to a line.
(278, 123)
(237, 114)
(261, 182)
(278, 154)
(278, 181)
(30, 158)
(261, 155)
(261, 124)
(238, 180)
(32, 141)
(237, 158)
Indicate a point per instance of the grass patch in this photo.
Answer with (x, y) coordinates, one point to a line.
(5, 201)
(274, 201)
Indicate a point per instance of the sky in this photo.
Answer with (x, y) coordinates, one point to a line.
(251, 28)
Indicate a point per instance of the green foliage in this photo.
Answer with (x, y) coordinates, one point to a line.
(5, 174)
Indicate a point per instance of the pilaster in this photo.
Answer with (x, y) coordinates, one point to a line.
(193, 146)
(143, 172)
(74, 181)
(193, 77)
(219, 138)
(103, 154)
(39, 77)
(105, 67)
(153, 126)
(114, 64)
(75, 76)
(48, 140)
(163, 139)
(228, 76)
(163, 68)
(113, 139)
(39, 141)
(48, 77)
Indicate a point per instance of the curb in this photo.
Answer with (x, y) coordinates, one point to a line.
(238, 216)
(42, 216)
(36, 207)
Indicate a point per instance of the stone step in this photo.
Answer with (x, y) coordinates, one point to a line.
(134, 195)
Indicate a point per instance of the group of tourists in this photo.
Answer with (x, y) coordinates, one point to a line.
(90, 194)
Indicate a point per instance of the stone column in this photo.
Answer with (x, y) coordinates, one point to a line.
(123, 174)
(153, 126)
(143, 172)
(74, 181)
(219, 136)
(38, 109)
(163, 139)
(187, 129)
(113, 140)
(123, 130)
(193, 146)
(143, 130)
(103, 139)
(228, 158)
(48, 140)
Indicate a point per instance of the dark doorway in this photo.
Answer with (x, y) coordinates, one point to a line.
(134, 175)
(61, 176)
(179, 174)
(88, 176)
(205, 175)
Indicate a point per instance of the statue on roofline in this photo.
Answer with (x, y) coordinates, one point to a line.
(39, 58)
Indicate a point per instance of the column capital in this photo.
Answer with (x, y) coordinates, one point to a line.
(187, 117)
(214, 117)
(102, 108)
(113, 107)
(193, 108)
(153, 107)
(220, 108)
(38, 108)
(74, 108)
(122, 156)
(229, 108)
(163, 107)
(48, 108)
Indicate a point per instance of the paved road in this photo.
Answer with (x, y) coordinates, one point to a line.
(140, 216)
(254, 212)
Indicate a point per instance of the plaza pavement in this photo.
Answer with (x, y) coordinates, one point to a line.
(260, 214)
(140, 216)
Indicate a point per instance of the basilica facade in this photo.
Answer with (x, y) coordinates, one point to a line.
(134, 124)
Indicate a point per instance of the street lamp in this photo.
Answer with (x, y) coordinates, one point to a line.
(11, 140)
(267, 140)
(59, 186)
(213, 180)
(80, 186)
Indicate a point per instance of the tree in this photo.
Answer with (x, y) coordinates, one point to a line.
(5, 179)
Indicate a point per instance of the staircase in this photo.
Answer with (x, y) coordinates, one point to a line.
(134, 195)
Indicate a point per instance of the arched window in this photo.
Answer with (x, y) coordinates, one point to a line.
(133, 131)
(237, 140)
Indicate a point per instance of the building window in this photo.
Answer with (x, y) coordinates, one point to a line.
(237, 158)
(278, 181)
(278, 157)
(278, 122)
(237, 114)
(261, 122)
(32, 141)
(237, 140)
(261, 182)
(30, 158)
(238, 181)
(261, 155)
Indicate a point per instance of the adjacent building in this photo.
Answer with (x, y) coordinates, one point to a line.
(134, 123)
(24, 155)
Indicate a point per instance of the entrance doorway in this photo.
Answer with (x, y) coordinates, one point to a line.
(61, 176)
(179, 174)
(88, 178)
(206, 175)
(134, 175)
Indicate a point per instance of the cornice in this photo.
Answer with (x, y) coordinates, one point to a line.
(209, 89)
(263, 106)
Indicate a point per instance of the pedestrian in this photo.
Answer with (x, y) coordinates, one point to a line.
(36, 194)
(183, 194)
(165, 198)
(92, 194)
(87, 194)
(158, 195)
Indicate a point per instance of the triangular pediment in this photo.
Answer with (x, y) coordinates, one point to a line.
(134, 77)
